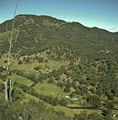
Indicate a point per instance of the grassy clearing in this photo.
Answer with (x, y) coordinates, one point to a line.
(22, 80)
(71, 112)
(49, 89)
(46, 67)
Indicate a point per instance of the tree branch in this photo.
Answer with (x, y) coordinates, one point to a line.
(2, 81)
(14, 58)
(14, 20)
(9, 58)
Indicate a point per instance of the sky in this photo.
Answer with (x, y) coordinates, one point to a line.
(91, 13)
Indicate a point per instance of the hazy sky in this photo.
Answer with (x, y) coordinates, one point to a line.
(100, 13)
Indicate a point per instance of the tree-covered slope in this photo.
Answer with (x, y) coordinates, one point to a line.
(67, 58)
(37, 33)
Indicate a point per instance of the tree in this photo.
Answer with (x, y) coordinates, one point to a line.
(94, 100)
(8, 83)
(67, 89)
(109, 105)
(63, 102)
(20, 62)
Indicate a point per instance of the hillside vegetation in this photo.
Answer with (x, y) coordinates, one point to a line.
(67, 66)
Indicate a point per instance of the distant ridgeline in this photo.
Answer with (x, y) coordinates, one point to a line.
(38, 33)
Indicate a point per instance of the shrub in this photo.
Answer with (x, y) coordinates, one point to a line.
(94, 100)
(37, 68)
(63, 102)
(20, 62)
(66, 89)
(51, 81)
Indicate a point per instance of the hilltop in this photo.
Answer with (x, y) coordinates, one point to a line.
(38, 33)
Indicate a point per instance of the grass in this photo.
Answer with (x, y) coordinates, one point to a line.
(22, 80)
(49, 89)
(71, 112)
(46, 66)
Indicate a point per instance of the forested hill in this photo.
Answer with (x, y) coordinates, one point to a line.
(91, 53)
(38, 33)
(62, 64)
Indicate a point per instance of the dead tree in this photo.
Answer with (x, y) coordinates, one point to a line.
(8, 83)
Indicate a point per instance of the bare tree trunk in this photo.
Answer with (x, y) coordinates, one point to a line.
(10, 90)
(6, 91)
(10, 59)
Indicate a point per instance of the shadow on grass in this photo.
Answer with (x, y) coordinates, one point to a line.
(91, 107)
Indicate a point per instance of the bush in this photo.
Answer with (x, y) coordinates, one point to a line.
(63, 102)
(5, 61)
(37, 68)
(20, 62)
(84, 116)
(17, 94)
(94, 100)
(1, 69)
(66, 89)
(109, 105)
(51, 81)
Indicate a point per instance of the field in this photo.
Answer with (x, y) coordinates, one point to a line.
(49, 89)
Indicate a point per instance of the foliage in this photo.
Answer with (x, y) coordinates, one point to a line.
(92, 116)
(94, 100)
(28, 111)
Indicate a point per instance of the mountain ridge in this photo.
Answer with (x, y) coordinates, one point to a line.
(42, 32)
(46, 16)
